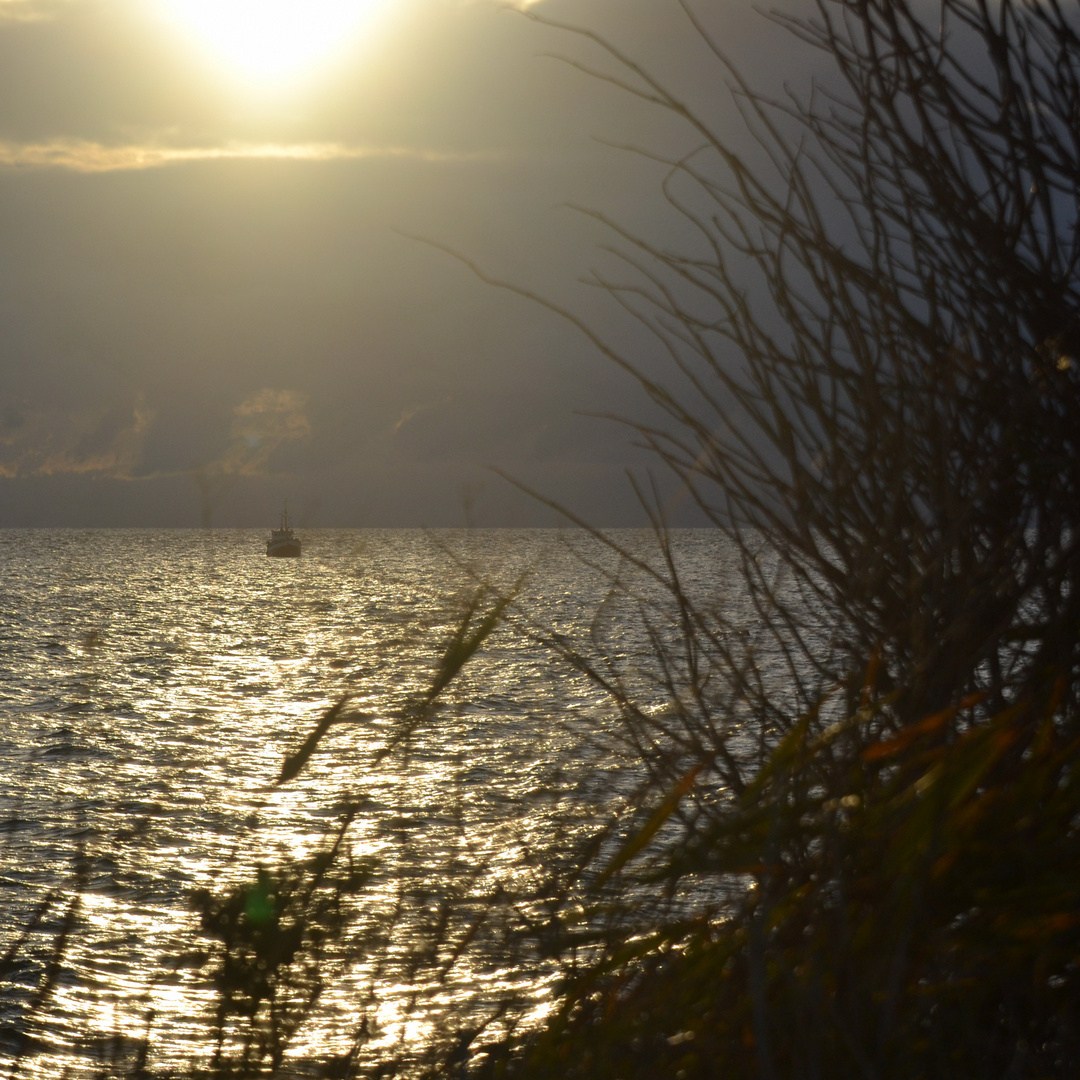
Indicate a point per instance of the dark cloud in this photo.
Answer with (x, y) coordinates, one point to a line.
(94, 441)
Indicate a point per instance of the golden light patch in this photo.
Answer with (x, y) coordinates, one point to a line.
(271, 41)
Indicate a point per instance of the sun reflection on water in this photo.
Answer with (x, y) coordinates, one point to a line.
(154, 753)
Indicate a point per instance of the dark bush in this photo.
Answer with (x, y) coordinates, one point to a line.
(857, 853)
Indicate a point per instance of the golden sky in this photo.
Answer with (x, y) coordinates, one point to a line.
(207, 266)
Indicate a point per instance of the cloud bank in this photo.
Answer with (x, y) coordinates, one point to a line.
(40, 443)
(86, 156)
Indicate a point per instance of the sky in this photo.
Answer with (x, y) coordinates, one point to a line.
(224, 275)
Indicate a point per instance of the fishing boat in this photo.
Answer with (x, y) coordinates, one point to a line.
(283, 543)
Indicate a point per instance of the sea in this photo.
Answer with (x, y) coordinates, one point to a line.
(154, 682)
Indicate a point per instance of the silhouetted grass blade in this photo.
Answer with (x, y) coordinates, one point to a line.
(466, 640)
(295, 762)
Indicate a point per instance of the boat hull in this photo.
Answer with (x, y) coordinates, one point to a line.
(283, 543)
(283, 549)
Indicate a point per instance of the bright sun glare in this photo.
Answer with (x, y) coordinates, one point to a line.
(272, 40)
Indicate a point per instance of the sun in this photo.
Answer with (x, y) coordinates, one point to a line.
(271, 41)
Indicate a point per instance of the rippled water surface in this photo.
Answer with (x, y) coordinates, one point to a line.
(151, 683)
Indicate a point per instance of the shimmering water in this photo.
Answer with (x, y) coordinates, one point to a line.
(151, 683)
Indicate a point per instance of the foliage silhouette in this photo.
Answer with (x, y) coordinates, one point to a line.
(851, 857)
